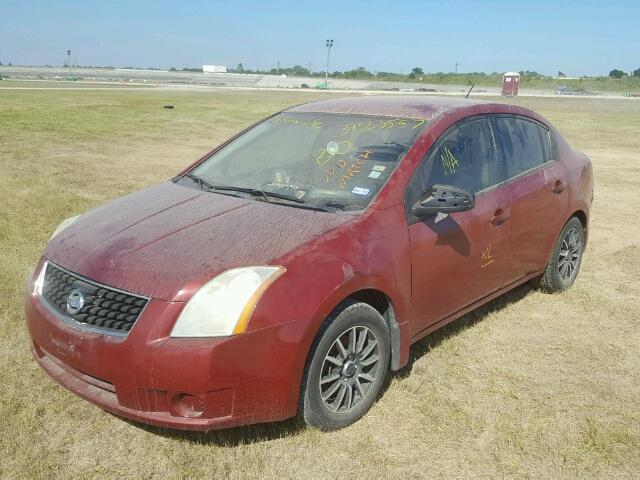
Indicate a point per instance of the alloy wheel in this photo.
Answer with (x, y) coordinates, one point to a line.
(349, 369)
(569, 254)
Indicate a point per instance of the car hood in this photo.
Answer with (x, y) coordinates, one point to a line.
(157, 241)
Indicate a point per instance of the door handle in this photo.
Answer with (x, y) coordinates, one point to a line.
(499, 217)
(559, 186)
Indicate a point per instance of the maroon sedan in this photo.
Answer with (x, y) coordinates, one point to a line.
(288, 270)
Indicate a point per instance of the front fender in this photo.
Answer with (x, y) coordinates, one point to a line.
(371, 253)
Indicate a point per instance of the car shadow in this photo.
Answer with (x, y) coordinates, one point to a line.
(250, 434)
(433, 340)
(230, 437)
(448, 232)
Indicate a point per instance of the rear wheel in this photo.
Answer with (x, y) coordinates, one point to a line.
(347, 367)
(563, 267)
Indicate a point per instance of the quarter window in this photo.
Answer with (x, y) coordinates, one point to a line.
(545, 135)
(520, 143)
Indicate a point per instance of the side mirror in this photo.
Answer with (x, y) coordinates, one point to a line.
(443, 199)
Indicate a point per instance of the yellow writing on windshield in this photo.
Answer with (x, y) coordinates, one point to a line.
(351, 128)
(350, 172)
(317, 123)
(322, 156)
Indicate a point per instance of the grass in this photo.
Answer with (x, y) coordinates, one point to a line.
(530, 385)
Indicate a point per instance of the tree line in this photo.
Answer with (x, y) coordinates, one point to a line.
(619, 74)
(416, 74)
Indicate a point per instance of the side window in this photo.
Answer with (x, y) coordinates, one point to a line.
(520, 144)
(465, 158)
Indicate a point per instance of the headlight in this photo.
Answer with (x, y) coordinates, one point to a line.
(64, 224)
(38, 282)
(224, 305)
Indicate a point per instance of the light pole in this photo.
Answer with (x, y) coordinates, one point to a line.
(69, 60)
(326, 72)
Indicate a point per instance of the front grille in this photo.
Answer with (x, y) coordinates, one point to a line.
(104, 309)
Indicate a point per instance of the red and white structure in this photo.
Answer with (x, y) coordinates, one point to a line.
(510, 84)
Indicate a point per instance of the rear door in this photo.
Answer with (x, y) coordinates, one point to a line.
(536, 185)
(462, 258)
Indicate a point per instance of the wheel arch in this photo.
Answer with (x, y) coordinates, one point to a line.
(584, 220)
(377, 299)
(383, 304)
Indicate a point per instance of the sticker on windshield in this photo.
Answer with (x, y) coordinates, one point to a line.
(379, 168)
(333, 148)
(360, 191)
(375, 174)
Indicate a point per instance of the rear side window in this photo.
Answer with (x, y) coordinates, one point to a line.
(520, 144)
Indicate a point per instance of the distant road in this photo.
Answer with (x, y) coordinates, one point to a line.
(237, 80)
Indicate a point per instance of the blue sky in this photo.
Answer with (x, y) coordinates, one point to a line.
(578, 38)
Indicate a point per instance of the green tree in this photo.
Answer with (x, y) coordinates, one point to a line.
(416, 72)
(530, 75)
(636, 72)
(359, 72)
(617, 74)
(299, 71)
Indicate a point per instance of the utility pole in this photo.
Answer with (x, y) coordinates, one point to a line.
(310, 71)
(69, 61)
(456, 64)
(329, 44)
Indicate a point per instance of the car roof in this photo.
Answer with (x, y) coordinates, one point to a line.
(408, 106)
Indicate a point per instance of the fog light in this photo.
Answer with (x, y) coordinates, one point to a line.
(187, 405)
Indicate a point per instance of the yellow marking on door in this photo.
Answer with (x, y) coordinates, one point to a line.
(486, 257)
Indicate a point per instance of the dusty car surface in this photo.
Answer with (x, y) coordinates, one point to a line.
(288, 270)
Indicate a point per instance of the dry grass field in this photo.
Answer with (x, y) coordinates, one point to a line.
(532, 385)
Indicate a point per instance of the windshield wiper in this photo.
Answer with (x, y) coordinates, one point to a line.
(257, 192)
(398, 145)
(199, 181)
(339, 206)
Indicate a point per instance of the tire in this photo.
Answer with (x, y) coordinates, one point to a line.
(561, 271)
(352, 369)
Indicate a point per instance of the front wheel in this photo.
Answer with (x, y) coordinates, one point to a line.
(347, 367)
(563, 267)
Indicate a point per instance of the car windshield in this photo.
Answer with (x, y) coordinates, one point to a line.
(300, 159)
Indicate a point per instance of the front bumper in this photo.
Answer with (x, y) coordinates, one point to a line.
(147, 376)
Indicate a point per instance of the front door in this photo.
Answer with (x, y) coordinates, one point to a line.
(462, 258)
